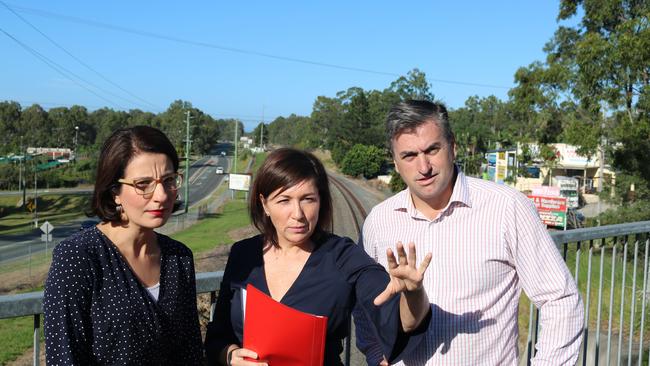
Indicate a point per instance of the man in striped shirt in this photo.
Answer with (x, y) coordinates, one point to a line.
(488, 244)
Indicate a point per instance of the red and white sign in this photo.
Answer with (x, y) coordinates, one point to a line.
(552, 210)
(544, 203)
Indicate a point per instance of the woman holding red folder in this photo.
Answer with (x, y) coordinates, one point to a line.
(297, 262)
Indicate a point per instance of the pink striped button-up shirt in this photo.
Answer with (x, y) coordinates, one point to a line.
(488, 244)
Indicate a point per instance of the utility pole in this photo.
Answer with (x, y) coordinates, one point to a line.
(235, 164)
(23, 166)
(35, 197)
(262, 130)
(187, 161)
(262, 135)
(601, 161)
(76, 135)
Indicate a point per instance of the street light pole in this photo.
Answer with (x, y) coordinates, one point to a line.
(187, 161)
(235, 164)
(76, 135)
(35, 197)
(23, 168)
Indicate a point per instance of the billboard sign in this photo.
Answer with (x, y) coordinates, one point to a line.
(239, 182)
(552, 210)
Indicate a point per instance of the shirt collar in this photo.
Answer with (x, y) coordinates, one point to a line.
(459, 196)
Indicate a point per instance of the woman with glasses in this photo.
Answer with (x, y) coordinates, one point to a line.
(119, 293)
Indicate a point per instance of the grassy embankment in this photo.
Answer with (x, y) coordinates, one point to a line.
(55, 208)
(213, 230)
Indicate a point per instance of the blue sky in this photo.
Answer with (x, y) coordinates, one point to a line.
(222, 70)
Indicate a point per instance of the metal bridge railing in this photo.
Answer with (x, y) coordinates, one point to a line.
(610, 264)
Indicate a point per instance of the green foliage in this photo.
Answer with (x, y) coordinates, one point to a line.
(412, 86)
(396, 182)
(85, 132)
(631, 156)
(290, 131)
(363, 160)
(260, 134)
(593, 88)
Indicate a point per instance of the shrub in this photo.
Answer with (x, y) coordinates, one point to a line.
(363, 160)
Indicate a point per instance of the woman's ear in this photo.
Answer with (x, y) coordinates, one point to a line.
(116, 197)
(263, 201)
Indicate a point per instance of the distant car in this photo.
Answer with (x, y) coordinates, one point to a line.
(223, 153)
(219, 170)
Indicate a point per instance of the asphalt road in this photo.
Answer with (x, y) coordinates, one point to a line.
(203, 181)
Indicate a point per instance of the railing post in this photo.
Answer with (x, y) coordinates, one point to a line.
(611, 304)
(622, 315)
(37, 339)
(600, 301)
(585, 327)
(643, 304)
(633, 304)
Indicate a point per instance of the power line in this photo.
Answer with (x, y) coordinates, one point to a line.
(58, 68)
(76, 58)
(92, 23)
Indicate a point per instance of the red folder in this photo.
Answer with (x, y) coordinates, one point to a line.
(281, 335)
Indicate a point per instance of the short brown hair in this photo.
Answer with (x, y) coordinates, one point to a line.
(283, 169)
(118, 151)
(407, 116)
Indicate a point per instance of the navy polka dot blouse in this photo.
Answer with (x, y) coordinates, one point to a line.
(98, 313)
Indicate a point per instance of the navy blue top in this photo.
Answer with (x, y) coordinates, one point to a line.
(337, 275)
(97, 312)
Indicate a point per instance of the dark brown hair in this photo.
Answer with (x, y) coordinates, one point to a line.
(118, 150)
(407, 116)
(283, 169)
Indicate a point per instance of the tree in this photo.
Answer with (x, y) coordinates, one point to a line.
(326, 113)
(412, 86)
(35, 127)
(363, 160)
(10, 115)
(260, 134)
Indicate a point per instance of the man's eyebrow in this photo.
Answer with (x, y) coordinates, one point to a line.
(403, 154)
(433, 146)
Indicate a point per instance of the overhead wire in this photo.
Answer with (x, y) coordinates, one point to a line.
(93, 23)
(59, 69)
(79, 60)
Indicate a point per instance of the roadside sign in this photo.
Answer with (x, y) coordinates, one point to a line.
(552, 210)
(239, 182)
(47, 227)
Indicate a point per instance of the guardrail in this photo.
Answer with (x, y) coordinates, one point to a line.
(617, 249)
(31, 304)
(605, 261)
